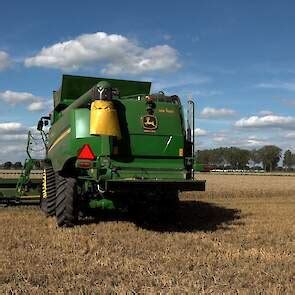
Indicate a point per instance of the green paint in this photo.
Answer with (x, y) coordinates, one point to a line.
(104, 204)
(75, 86)
(140, 154)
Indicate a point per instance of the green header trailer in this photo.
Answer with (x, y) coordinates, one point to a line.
(15, 189)
(111, 144)
(24, 186)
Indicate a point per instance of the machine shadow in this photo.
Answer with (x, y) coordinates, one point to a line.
(196, 216)
(192, 216)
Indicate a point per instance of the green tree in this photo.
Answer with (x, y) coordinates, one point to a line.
(236, 157)
(288, 161)
(255, 157)
(17, 165)
(7, 165)
(203, 157)
(270, 156)
(217, 157)
(244, 158)
(211, 157)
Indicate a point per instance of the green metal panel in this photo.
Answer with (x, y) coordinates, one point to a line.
(165, 141)
(167, 114)
(74, 86)
(60, 151)
(8, 187)
(156, 154)
(81, 123)
(198, 167)
(140, 153)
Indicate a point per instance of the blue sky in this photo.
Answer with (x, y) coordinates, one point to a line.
(236, 58)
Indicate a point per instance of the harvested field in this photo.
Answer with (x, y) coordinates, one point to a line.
(238, 237)
(248, 186)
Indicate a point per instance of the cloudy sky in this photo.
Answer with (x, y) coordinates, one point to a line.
(235, 58)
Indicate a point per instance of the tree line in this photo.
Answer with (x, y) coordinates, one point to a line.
(267, 158)
(9, 165)
(18, 165)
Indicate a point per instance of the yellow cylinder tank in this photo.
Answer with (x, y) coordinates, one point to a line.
(104, 119)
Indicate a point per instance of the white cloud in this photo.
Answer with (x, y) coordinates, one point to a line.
(206, 92)
(290, 135)
(37, 106)
(266, 122)
(11, 148)
(265, 113)
(212, 113)
(13, 97)
(184, 84)
(231, 138)
(35, 103)
(10, 127)
(13, 139)
(290, 85)
(10, 137)
(5, 60)
(220, 138)
(200, 132)
(12, 151)
(115, 53)
(253, 143)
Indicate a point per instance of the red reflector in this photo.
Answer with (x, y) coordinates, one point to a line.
(84, 164)
(86, 153)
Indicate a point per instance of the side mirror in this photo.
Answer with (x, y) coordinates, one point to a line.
(40, 125)
(46, 123)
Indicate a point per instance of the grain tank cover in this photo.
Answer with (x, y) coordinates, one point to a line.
(74, 86)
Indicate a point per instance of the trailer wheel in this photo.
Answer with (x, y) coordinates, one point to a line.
(48, 194)
(66, 201)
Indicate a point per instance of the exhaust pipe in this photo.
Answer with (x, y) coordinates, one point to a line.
(190, 137)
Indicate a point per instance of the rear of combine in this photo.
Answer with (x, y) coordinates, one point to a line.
(112, 143)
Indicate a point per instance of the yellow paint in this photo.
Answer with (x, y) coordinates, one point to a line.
(180, 153)
(44, 190)
(61, 137)
(166, 111)
(104, 119)
(170, 111)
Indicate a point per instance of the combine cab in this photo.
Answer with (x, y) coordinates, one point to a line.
(113, 144)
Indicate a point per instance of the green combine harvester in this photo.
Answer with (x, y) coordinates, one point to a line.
(112, 144)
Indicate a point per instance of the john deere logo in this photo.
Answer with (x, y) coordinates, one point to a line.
(150, 122)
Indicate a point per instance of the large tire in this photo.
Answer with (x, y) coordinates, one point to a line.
(66, 201)
(48, 194)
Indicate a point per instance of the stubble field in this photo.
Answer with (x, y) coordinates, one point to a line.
(236, 238)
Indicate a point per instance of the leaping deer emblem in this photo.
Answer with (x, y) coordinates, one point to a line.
(150, 122)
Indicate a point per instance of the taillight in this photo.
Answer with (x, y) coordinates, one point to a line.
(86, 153)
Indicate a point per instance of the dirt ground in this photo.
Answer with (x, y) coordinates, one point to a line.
(236, 238)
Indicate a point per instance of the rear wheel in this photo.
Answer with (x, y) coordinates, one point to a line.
(48, 194)
(66, 201)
